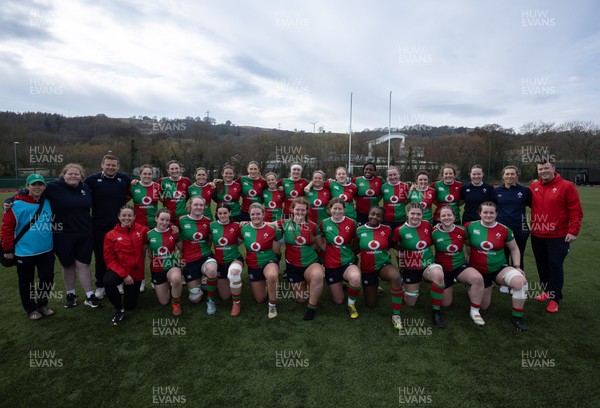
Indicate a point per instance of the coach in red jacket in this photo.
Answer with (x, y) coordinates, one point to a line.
(556, 216)
(124, 248)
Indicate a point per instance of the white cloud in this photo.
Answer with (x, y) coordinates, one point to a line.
(294, 62)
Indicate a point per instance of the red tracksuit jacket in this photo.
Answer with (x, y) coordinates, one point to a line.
(555, 208)
(124, 250)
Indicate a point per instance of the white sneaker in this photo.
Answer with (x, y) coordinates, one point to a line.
(99, 293)
(504, 289)
(120, 287)
(272, 312)
(477, 319)
(397, 321)
(211, 308)
(143, 286)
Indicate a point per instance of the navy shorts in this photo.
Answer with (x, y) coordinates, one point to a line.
(362, 219)
(223, 269)
(256, 274)
(450, 278)
(410, 276)
(70, 247)
(193, 269)
(371, 278)
(295, 274)
(158, 278)
(490, 277)
(336, 275)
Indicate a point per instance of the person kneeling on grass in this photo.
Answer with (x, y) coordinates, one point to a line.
(164, 265)
(196, 253)
(263, 265)
(124, 249)
(449, 240)
(303, 270)
(338, 233)
(374, 240)
(29, 219)
(485, 249)
(415, 255)
(225, 237)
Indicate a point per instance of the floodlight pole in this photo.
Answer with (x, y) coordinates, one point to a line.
(350, 139)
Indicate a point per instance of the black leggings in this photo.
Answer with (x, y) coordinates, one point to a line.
(35, 296)
(130, 297)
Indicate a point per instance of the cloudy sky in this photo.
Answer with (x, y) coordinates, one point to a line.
(290, 63)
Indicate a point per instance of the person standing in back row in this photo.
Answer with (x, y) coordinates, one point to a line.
(513, 199)
(109, 189)
(556, 216)
(475, 193)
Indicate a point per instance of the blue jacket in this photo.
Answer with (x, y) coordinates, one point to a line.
(38, 239)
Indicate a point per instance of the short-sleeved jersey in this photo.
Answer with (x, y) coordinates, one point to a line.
(449, 246)
(318, 200)
(395, 198)
(373, 244)
(415, 244)
(251, 191)
(425, 198)
(338, 237)
(368, 193)
(447, 195)
(259, 244)
(162, 246)
(230, 195)
(206, 191)
(174, 195)
(273, 202)
(291, 190)
(195, 237)
(226, 240)
(487, 245)
(298, 238)
(145, 203)
(346, 193)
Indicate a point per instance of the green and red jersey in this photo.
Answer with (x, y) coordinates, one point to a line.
(426, 198)
(368, 193)
(449, 246)
(259, 244)
(145, 203)
(487, 245)
(251, 191)
(162, 246)
(447, 195)
(395, 198)
(415, 245)
(174, 195)
(338, 237)
(298, 238)
(291, 190)
(273, 203)
(195, 237)
(346, 193)
(206, 191)
(230, 195)
(373, 244)
(225, 238)
(318, 200)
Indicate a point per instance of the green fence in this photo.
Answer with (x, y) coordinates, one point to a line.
(9, 183)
